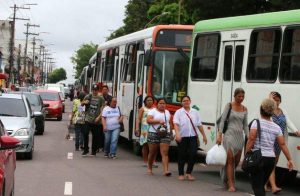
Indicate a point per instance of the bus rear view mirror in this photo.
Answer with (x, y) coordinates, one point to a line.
(147, 58)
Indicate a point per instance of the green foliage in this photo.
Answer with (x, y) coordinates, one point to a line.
(193, 11)
(57, 75)
(82, 56)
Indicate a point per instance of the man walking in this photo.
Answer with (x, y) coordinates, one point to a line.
(94, 104)
(105, 94)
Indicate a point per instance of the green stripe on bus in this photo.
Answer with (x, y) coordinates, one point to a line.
(249, 21)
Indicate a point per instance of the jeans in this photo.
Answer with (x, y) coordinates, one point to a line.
(78, 135)
(97, 136)
(260, 178)
(111, 141)
(187, 148)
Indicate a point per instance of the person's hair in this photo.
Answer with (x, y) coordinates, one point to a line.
(147, 97)
(105, 86)
(81, 96)
(185, 96)
(159, 99)
(276, 94)
(267, 107)
(110, 100)
(238, 91)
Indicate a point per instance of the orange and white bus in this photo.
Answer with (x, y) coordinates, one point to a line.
(153, 61)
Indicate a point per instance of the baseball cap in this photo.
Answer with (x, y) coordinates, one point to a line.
(95, 87)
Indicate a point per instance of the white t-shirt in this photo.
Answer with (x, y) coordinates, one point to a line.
(184, 123)
(112, 117)
(269, 133)
(159, 116)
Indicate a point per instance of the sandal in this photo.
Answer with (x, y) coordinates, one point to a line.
(276, 191)
(190, 177)
(168, 174)
(181, 178)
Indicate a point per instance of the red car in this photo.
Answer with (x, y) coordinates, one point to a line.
(7, 162)
(52, 98)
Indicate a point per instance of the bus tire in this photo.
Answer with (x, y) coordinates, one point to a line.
(284, 176)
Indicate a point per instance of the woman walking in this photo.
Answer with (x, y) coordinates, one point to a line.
(77, 119)
(142, 127)
(111, 119)
(233, 138)
(281, 118)
(269, 133)
(159, 120)
(187, 124)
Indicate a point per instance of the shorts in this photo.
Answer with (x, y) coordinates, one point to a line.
(153, 138)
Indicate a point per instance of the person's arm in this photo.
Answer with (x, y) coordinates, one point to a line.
(290, 125)
(138, 121)
(104, 123)
(285, 150)
(201, 129)
(251, 139)
(121, 116)
(101, 103)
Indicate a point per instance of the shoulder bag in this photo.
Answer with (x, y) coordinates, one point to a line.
(162, 130)
(194, 128)
(252, 159)
(226, 122)
(121, 123)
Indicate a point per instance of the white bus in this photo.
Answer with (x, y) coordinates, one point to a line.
(259, 53)
(120, 65)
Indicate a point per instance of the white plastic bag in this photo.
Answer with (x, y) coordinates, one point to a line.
(216, 155)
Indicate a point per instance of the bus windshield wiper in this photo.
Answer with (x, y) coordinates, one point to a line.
(185, 56)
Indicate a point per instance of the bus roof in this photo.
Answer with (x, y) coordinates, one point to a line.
(249, 21)
(142, 34)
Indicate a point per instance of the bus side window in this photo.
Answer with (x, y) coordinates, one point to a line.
(290, 60)
(239, 58)
(205, 57)
(263, 58)
(227, 63)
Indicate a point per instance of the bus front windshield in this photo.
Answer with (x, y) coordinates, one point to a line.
(170, 76)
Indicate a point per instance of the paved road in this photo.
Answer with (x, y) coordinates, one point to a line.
(56, 169)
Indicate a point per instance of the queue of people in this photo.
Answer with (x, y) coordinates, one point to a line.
(154, 125)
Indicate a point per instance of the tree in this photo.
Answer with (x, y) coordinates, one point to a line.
(82, 56)
(57, 75)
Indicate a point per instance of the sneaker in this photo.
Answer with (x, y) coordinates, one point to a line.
(106, 155)
(85, 153)
(155, 165)
(113, 156)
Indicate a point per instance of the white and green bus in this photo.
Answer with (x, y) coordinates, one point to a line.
(260, 53)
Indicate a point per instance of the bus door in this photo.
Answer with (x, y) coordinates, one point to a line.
(116, 77)
(233, 58)
(139, 85)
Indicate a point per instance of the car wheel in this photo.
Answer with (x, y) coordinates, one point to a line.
(59, 118)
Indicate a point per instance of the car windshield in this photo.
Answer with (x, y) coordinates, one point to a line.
(12, 107)
(170, 76)
(49, 96)
(33, 99)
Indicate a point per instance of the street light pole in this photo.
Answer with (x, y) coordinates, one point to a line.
(162, 14)
(179, 10)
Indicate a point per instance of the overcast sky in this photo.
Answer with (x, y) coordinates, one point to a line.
(70, 23)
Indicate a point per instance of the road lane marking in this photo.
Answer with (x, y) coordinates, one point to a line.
(68, 188)
(70, 155)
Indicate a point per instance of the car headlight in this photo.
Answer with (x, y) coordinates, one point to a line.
(56, 106)
(22, 132)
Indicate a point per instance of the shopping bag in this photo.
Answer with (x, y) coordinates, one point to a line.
(216, 155)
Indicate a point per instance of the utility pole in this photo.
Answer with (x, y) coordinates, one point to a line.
(19, 64)
(12, 41)
(33, 59)
(26, 43)
(179, 10)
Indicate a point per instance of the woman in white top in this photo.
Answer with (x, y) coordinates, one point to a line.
(111, 119)
(159, 119)
(270, 132)
(187, 124)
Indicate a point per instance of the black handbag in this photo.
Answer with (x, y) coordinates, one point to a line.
(121, 123)
(226, 122)
(252, 159)
(162, 131)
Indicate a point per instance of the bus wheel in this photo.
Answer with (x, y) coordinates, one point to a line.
(285, 177)
(137, 149)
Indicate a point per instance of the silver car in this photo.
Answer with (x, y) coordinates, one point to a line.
(18, 119)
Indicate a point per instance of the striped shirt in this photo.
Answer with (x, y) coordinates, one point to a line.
(269, 133)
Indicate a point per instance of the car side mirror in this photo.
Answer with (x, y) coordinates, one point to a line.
(8, 142)
(46, 105)
(37, 113)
